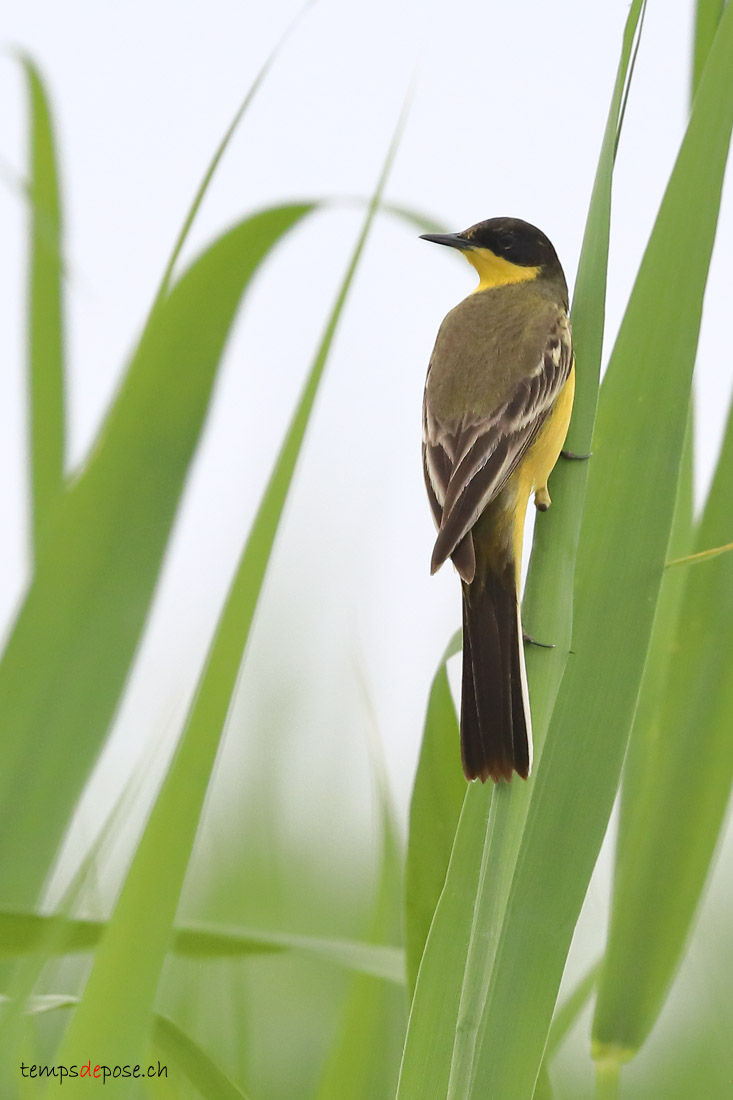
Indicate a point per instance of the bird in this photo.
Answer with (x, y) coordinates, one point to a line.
(496, 409)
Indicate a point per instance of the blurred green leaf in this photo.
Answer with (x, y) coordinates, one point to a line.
(451, 981)
(568, 1012)
(176, 1046)
(637, 444)
(701, 555)
(45, 313)
(115, 1011)
(70, 651)
(564, 1017)
(23, 932)
(364, 1060)
(434, 812)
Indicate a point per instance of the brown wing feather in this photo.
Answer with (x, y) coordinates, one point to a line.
(467, 465)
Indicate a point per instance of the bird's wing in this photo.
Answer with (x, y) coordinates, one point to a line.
(467, 464)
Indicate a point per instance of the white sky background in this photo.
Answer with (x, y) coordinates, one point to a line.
(507, 119)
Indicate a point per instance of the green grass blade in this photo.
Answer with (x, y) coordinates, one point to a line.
(450, 982)
(203, 1073)
(621, 557)
(707, 17)
(563, 1020)
(434, 1013)
(679, 779)
(640, 777)
(434, 812)
(548, 597)
(543, 1088)
(218, 154)
(45, 312)
(115, 1011)
(71, 648)
(22, 933)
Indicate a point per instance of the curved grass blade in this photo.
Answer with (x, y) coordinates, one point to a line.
(23, 879)
(115, 1011)
(621, 557)
(69, 654)
(451, 982)
(198, 198)
(434, 812)
(203, 1073)
(22, 933)
(45, 312)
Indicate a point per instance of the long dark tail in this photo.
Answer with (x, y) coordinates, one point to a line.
(496, 730)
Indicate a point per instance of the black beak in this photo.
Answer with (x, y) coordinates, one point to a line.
(453, 240)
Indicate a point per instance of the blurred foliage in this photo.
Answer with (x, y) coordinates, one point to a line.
(257, 967)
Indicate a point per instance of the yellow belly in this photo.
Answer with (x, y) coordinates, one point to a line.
(539, 461)
(498, 533)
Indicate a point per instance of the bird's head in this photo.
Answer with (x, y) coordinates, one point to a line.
(504, 250)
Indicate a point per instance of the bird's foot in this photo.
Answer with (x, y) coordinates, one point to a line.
(542, 499)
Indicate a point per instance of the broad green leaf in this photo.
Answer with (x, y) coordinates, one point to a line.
(21, 933)
(115, 1011)
(637, 444)
(70, 651)
(45, 312)
(543, 1088)
(649, 734)
(451, 981)
(434, 812)
(707, 17)
(676, 791)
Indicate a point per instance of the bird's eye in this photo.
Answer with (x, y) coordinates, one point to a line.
(506, 240)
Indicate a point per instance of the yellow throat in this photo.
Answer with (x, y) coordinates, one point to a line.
(494, 270)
